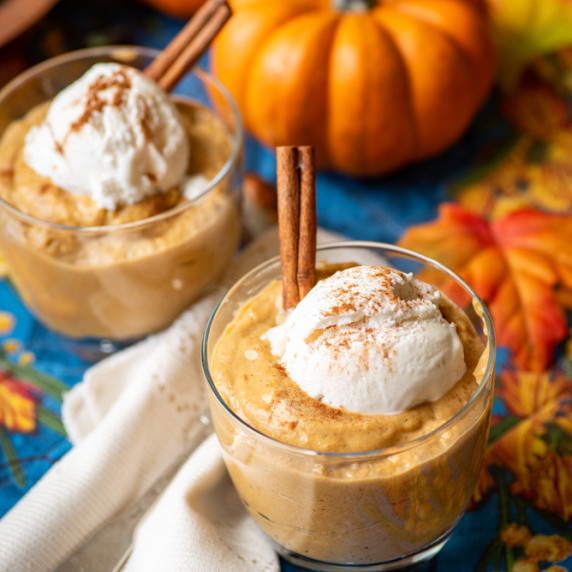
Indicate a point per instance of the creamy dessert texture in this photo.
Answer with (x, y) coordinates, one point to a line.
(116, 151)
(258, 388)
(366, 508)
(39, 196)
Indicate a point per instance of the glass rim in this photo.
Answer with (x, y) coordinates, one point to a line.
(483, 384)
(204, 76)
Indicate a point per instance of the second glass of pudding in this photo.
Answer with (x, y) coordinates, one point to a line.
(88, 272)
(335, 489)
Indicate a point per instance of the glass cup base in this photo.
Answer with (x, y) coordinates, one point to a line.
(409, 562)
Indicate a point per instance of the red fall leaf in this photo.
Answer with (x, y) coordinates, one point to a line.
(520, 265)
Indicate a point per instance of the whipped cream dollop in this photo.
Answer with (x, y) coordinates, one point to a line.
(370, 339)
(113, 135)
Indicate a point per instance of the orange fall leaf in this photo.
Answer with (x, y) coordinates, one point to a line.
(520, 265)
(541, 401)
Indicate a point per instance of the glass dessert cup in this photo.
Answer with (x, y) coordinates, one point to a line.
(375, 510)
(122, 281)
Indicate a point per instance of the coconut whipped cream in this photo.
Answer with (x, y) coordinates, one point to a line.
(113, 135)
(370, 339)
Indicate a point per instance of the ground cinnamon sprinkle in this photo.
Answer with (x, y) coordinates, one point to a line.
(120, 82)
(279, 367)
(94, 104)
(347, 299)
(329, 412)
(387, 291)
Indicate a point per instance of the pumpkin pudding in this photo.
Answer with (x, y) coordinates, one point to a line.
(372, 407)
(115, 239)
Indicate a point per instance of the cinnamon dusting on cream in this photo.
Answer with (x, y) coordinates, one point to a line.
(113, 136)
(370, 339)
(94, 103)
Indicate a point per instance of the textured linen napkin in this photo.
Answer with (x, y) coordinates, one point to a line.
(130, 418)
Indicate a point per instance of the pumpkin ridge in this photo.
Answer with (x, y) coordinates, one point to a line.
(371, 121)
(326, 158)
(286, 113)
(410, 102)
(423, 22)
(419, 12)
(445, 100)
(237, 75)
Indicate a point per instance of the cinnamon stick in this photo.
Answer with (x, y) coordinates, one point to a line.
(297, 225)
(189, 44)
(306, 275)
(288, 191)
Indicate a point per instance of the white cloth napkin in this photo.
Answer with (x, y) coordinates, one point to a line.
(200, 524)
(130, 418)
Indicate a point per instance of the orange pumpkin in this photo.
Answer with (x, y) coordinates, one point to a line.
(372, 85)
(179, 8)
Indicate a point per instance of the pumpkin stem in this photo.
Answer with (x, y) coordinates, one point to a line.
(354, 5)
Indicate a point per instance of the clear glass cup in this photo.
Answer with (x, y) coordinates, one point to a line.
(376, 510)
(119, 282)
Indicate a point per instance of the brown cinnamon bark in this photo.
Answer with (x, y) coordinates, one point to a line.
(189, 44)
(306, 275)
(297, 224)
(288, 190)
